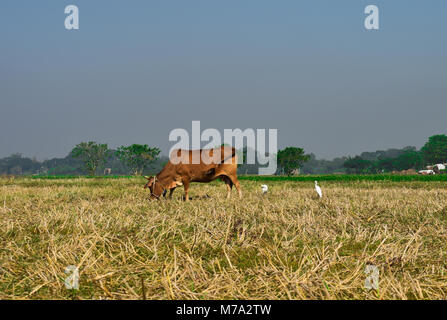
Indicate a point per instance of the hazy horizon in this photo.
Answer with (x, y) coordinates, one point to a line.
(133, 72)
(165, 154)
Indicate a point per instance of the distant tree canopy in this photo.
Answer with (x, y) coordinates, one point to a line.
(408, 159)
(321, 166)
(357, 165)
(435, 150)
(88, 157)
(290, 159)
(137, 157)
(16, 164)
(385, 154)
(92, 154)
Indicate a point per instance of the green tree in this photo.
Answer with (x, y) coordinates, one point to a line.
(384, 164)
(409, 160)
(92, 154)
(290, 159)
(435, 150)
(358, 165)
(137, 157)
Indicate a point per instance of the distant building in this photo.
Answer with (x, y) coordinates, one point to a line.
(426, 172)
(438, 168)
(42, 170)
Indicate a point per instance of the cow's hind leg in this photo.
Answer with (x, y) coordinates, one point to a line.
(229, 184)
(186, 186)
(236, 184)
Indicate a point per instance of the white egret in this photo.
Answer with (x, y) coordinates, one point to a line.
(318, 189)
(265, 188)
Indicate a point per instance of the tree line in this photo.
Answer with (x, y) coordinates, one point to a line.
(91, 158)
(433, 152)
(136, 157)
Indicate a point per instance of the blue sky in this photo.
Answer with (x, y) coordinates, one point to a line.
(138, 69)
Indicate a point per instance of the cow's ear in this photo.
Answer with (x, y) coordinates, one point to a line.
(148, 178)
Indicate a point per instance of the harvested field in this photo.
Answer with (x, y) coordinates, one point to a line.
(285, 245)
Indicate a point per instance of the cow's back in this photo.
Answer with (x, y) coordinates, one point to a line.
(204, 164)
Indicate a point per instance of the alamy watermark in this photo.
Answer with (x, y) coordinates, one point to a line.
(253, 151)
(372, 20)
(72, 281)
(372, 277)
(72, 19)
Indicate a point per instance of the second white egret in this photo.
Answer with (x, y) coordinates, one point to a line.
(318, 189)
(265, 188)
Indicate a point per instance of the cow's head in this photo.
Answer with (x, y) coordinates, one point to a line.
(155, 187)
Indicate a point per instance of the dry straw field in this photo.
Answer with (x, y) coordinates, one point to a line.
(285, 245)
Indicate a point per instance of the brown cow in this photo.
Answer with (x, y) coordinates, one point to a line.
(183, 171)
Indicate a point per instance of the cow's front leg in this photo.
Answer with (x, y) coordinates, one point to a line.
(186, 186)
